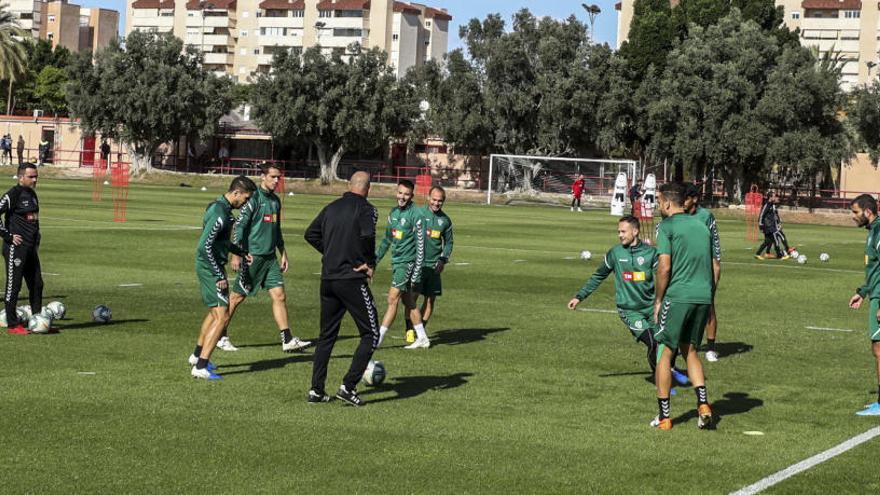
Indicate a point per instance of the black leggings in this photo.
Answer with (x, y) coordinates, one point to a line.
(576, 201)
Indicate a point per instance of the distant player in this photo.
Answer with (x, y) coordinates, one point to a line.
(635, 192)
(864, 211)
(577, 191)
(771, 226)
(683, 299)
(692, 206)
(211, 255)
(21, 248)
(258, 231)
(633, 263)
(405, 236)
(438, 249)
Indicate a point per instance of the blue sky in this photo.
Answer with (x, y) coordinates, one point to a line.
(464, 10)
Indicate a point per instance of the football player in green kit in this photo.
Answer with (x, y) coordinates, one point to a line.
(405, 236)
(258, 230)
(633, 263)
(864, 212)
(692, 206)
(211, 255)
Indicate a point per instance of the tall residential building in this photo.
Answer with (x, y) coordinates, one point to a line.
(66, 24)
(239, 37)
(848, 28)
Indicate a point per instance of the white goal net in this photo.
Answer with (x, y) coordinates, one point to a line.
(545, 179)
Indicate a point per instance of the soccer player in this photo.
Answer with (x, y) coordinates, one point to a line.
(438, 249)
(682, 299)
(405, 235)
(633, 263)
(864, 211)
(258, 231)
(211, 255)
(345, 234)
(21, 232)
(577, 190)
(692, 206)
(771, 226)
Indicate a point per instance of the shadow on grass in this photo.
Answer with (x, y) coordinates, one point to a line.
(732, 403)
(276, 343)
(264, 365)
(94, 324)
(407, 387)
(647, 374)
(730, 348)
(458, 336)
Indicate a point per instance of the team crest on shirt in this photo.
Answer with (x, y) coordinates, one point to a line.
(440, 222)
(639, 324)
(641, 260)
(402, 221)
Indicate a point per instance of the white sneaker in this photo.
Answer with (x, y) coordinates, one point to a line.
(225, 344)
(711, 356)
(204, 374)
(572, 208)
(295, 344)
(579, 209)
(419, 344)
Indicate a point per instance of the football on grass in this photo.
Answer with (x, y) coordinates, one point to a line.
(101, 314)
(375, 373)
(586, 255)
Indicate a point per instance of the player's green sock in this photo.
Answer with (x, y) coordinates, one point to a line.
(286, 336)
(663, 404)
(702, 396)
(710, 344)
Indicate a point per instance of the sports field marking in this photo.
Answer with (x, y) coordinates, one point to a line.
(592, 310)
(53, 274)
(520, 261)
(793, 267)
(808, 463)
(830, 329)
(131, 285)
(462, 264)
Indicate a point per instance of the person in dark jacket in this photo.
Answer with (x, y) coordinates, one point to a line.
(771, 226)
(345, 234)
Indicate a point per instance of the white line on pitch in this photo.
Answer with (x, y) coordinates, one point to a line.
(830, 329)
(592, 310)
(793, 267)
(808, 463)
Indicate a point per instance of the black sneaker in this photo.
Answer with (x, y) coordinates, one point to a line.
(316, 398)
(350, 397)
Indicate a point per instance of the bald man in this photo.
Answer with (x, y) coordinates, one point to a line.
(345, 234)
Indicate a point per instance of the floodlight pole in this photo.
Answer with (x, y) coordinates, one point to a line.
(592, 11)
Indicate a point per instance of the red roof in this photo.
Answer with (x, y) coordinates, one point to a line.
(437, 14)
(283, 5)
(344, 5)
(153, 4)
(406, 8)
(214, 5)
(832, 4)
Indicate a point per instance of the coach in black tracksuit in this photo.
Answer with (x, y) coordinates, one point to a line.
(345, 233)
(771, 226)
(21, 232)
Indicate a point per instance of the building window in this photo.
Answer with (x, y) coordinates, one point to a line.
(51, 18)
(259, 14)
(298, 13)
(394, 37)
(325, 13)
(349, 13)
(256, 51)
(852, 14)
(50, 36)
(276, 13)
(795, 15)
(427, 42)
(348, 33)
(244, 33)
(26, 15)
(427, 24)
(271, 31)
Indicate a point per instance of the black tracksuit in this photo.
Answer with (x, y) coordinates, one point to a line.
(21, 216)
(345, 233)
(771, 226)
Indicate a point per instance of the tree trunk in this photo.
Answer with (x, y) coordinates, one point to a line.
(9, 99)
(329, 164)
(141, 158)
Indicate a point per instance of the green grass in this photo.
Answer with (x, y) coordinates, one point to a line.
(518, 395)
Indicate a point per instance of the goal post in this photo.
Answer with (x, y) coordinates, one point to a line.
(548, 179)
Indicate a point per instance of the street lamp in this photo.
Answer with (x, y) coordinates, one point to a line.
(871, 64)
(592, 11)
(319, 26)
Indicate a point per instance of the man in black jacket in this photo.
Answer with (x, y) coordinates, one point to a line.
(771, 226)
(21, 232)
(345, 234)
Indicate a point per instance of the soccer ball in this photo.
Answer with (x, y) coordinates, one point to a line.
(795, 254)
(39, 324)
(27, 311)
(802, 259)
(824, 257)
(101, 314)
(375, 373)
(22, 317)
(47, 313)
(586, 255)
(58, 309)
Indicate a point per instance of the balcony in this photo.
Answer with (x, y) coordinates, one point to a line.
(284, 22)
(218, 59)
(208, 40)
(209, 21)
(822, 23)
(345, 22)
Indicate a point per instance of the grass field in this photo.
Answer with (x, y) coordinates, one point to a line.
(517, 394)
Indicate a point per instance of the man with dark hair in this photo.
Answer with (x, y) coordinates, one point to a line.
(258, 231)
(633, 263)
(21, 232)
(345, 234)
(405, 236)
(682, 300)
(211, 254)
(438, 249)
(771, 226)
(692, 207)
(635, 192)
(864, 211)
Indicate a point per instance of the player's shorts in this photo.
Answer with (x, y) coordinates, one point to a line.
(681, 323)
(873, 325)
(403, 277)
(263, 273)
(637, 321)
(211, 295)
(431, 284)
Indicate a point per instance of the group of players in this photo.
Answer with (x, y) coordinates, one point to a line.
(665, 294)
(420, 240)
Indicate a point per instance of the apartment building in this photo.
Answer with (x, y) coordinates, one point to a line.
(240, 37)
(71, 26)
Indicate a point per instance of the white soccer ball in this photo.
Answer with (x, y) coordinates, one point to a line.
(204, 188)
(802, 259)
(375, 373)
(58, 308)
(795, 254)
(22, 317)
(586, 255)
(26, 309)
(824, 258)
(101, 314)
(47, 312)
(39, 324)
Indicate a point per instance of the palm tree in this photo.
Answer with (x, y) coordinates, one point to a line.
(13, 58)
